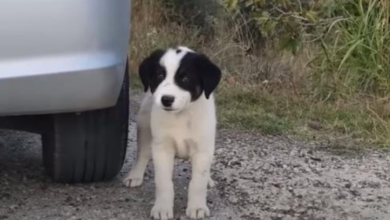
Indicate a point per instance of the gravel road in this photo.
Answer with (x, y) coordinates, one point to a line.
(257, 177)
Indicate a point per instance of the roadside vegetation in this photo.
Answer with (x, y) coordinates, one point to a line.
(310, 68)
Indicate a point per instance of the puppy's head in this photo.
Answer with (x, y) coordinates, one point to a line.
(177, 77)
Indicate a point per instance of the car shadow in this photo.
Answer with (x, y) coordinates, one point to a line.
(20, 156)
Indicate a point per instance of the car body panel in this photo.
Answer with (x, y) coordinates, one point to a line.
(61, 55)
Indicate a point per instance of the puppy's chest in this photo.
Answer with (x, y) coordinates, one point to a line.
(185, 148)
(186, 138)
(185, 133)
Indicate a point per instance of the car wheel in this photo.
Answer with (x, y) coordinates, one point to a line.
(88, 146)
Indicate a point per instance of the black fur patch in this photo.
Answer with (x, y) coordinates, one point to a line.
(151, 72)
(197, 74)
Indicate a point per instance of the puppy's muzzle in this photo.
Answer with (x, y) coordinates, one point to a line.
(167, 101)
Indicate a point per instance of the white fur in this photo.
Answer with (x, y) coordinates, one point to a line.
(188, 132)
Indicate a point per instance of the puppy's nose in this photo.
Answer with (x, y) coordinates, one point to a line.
(167, 100)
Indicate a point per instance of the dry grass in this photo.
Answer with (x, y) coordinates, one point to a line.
(262, 90)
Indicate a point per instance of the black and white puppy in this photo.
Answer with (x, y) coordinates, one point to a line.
(177, 119)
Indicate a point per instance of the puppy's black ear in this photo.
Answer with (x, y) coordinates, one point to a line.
(148, 67)
(209, 72)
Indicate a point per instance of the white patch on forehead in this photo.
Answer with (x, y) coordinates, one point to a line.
(186, 49)
(171, 60)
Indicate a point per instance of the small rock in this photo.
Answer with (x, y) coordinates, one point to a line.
(277, 185)
(355, 192)
(257, 179)
(302, 153)
(315, 125)
(316, 158)
(266, 166)
(233, 199)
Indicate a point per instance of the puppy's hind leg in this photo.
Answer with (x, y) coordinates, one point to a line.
(135, 177)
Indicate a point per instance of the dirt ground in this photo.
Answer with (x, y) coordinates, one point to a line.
(257, 177)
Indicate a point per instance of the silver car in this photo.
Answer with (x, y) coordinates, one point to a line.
(63, 74)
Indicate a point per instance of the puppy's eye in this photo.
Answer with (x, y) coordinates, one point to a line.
(160, 75)
(185, 79)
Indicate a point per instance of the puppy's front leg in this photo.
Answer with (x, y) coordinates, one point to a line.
(197, 192)
(163, 160)
(136, 175)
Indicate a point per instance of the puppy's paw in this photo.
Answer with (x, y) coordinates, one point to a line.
(162, 211)
(197, 211)
(211, 183)
(133, 179)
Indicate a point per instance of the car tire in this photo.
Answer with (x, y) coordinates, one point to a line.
(89, 146)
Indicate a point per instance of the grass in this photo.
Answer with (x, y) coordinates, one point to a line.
(275, 113)
(357, 50)
(246, 108)
(273, 92)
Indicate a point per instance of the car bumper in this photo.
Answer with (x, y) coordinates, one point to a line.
(93, 82)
